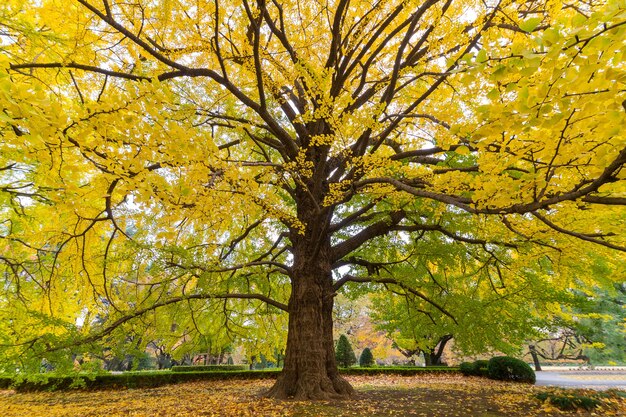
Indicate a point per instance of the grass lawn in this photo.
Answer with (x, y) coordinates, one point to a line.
(377, 396)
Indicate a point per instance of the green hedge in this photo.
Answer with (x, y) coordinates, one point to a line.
(131, 380)
(503, 368)
(476, 368)
(149, 379)
(397, 370)
(208, 368)
(5, 381)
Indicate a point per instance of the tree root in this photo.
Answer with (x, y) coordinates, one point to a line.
(299, 387)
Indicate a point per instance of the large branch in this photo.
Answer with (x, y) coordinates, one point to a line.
(377, 229)
(256, 39)
(372, 267)
(461, 202)
(583, 191)
(284, 268)
(334, 54)
(610, 201)
(352, 217)
(75, 65)
(442, 230)
(422, 152)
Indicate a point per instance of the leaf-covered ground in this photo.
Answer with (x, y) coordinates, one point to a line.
(377, 396)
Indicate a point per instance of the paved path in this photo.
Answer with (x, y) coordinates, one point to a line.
(593, 379)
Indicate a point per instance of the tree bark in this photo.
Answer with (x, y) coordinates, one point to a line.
(433, 356)
(533, 353)
(310, 371)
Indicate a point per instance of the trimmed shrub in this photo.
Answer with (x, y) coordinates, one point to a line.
(467, 368)
(476, 368)
(480, 367)
(505, 368)
(366, 358)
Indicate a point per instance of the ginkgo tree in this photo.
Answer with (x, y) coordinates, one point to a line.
(237, 157)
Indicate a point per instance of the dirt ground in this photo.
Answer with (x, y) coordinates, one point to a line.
(423, 396)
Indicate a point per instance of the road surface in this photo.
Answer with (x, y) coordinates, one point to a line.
(594, 379)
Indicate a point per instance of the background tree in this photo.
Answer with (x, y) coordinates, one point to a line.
(604, 323)
(591, 330)
(366, 358)
(484, 306)
(248, 157)
(344, 355)
(353, 317)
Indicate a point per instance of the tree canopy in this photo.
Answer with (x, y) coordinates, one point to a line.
(240, 159)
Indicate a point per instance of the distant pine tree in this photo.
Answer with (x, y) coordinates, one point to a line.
(343, 353)
(366, 358)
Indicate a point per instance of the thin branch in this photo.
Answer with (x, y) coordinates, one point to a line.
(235, 242)
(91, 68)
(377, 280)
(117, 323)
(577, 235)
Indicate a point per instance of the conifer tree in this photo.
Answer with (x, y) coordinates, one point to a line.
(366, 358)
(344, 355)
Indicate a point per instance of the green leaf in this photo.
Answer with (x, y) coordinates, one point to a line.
(481, 56)
(551, 36)
(578, 20)
(499, 73)
(494, 94)
(531, 24)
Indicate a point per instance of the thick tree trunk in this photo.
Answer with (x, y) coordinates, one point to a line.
(310, 371)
